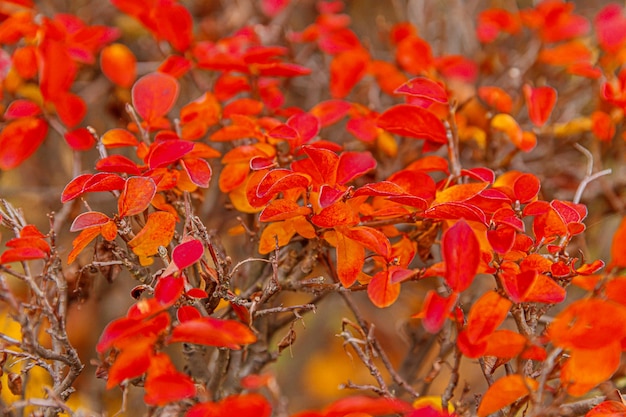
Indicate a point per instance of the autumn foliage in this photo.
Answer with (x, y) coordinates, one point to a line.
(227, 180)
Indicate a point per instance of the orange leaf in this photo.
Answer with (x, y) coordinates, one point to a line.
(505, 391)
(116, 138)
(505, 344)
(350, 259)
(460, 192)
(587, 368)
(381, 291)
(281, 210)
(461, 253)
(506, 123)
(136, 196)
(154, 95)
(118, 64)
(279, 233)
(82, 240)
(19, 139)
(158, 231)
(133, 361)
(213, 332)
(414, 55)
(497, 98)
(487, 313)
(540, 102)
(589, 324)
(372, 239)
(413, 121)
(337, 214)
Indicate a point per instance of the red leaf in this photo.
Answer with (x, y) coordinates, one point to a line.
(89, 219)
(370, 406)
(381, 291)
(118, 163)
(346, 70)
(80, 139)
(414, 55)
(610, 28)
(461, 253)
(167, 152)
(136, 196)
(540, 102)
(168, 290)
(243, 405)
(354, 164)
(57, 69)
(496, 98)
(154, 95)
(330, 111)
(70, 108)
(436, 310)
(19, 139)
(424, 88)
(21, 108)
(92, 183)
(413, 121)
(199, 171)
(213, 332)
(272, 7)
(187, 253)
(131, 362)
(175, 65)
(186, 313)
(21, 254)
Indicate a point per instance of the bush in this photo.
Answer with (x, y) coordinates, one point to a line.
(408, 199)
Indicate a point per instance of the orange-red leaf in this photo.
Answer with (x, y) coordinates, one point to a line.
(381, 291)
(540, 102)
(136, 196)
(608, 409)
(350, 259)
(213, 332)
(505, 391)
(164, 383)
(347, 69)
(436, 310)
(198, 170)
(487, 313)
(424, 88)
(413, 121)
(19, 139)
(461, 253)
(80, 139)
(243, 405)
(89, 219)
(154, 95)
